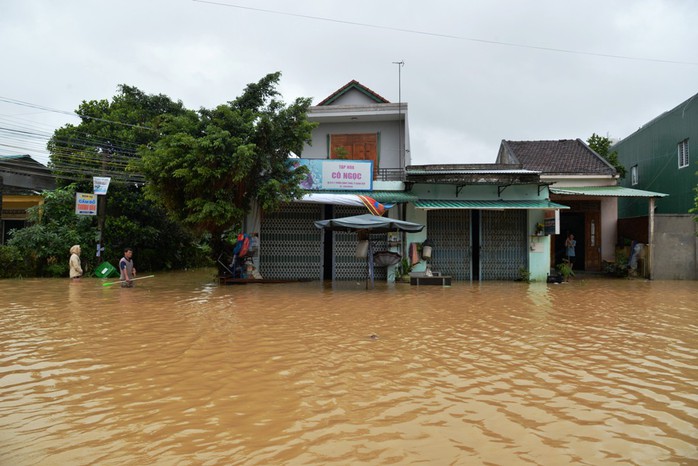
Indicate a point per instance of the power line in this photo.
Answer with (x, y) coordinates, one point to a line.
(75, 114)
(447, 36)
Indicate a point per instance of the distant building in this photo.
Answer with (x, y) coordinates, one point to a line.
(21, 181)
(583, 180)
(657, 157)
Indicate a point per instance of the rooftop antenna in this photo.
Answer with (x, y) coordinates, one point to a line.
(401, 154)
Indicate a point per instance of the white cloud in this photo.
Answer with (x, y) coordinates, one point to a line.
(464, 95)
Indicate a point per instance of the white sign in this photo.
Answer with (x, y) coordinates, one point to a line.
(101, 184)
(85, 204)
(347, 174)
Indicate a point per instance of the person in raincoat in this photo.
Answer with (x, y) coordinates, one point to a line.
(74, 262)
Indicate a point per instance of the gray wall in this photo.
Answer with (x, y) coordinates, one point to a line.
(676, 247)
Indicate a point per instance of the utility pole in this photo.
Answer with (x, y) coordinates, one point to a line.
(102, 203)
(400, 142)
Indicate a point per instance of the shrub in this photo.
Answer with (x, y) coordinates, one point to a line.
(13, 264)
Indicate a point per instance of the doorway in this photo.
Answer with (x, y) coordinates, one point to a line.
(571, 222)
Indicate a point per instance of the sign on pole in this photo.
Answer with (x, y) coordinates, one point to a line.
(85, 204)
(101, 184)
(552, 222)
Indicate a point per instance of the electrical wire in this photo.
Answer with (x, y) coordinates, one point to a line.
(447, 36)
(75, 114)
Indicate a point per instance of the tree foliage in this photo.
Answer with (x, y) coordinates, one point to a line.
(602, 145)
(210, 166)
(103, 144)
(109, 135)
(45, 243)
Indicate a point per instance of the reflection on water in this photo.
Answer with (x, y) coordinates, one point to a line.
(181, 371)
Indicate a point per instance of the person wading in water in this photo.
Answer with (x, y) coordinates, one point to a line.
(128, 271)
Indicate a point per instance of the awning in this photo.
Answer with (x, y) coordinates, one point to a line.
(390, 197)
(605, 191)
(533, 204)
(347, 197)
(368, 222)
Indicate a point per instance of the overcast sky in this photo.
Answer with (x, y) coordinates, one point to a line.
(475, 71)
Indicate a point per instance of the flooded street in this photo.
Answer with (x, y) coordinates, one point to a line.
(179, 370)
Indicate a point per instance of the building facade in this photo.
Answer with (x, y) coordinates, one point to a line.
(658, 158)
(481, 220)
(21, 181)
(582, 180)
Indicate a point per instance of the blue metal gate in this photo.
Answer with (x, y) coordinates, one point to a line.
(504, 244)
(291, 244)
(449, 231)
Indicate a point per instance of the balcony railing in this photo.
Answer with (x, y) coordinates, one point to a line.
(391, 174)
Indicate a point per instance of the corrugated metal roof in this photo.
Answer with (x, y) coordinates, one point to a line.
(605, 191)
(413, 171)
(487, 205)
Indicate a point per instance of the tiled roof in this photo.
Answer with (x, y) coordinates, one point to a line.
(563, 157)
(354, 84)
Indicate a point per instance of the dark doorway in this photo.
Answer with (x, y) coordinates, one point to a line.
(475, 244)
(9, 225)
(327, 258)
(571, 222)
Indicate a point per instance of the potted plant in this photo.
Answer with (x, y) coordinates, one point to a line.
(402, 270)
(524, 275)
(565, 269)
(539, 229)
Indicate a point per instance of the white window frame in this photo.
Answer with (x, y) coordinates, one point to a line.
(634, 176)
(682, 149)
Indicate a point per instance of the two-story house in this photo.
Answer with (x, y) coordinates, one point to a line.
(360, 147)
(657, 157)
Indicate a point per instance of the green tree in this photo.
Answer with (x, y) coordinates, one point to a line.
(210, 166)
(602, 145)
(103, 144)
(108, 136)
(54, 228)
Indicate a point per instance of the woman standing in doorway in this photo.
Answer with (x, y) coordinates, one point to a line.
(570, 244)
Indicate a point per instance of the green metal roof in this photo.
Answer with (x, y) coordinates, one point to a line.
(605, 191)
(380, 196)
(487, 205)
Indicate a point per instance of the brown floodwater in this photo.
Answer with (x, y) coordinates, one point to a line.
(181, 371)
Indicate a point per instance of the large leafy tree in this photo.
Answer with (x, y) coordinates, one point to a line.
(210, 166)
(108, 135)
(602, 146)
(103, 144)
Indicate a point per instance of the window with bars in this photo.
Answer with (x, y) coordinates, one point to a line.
(634, 177)
(683, 153)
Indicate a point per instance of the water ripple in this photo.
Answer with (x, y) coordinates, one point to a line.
(181, 371)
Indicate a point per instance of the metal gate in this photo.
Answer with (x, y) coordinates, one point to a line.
(504, 244)
(346, 266)
(291, 245)
(449, 231)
